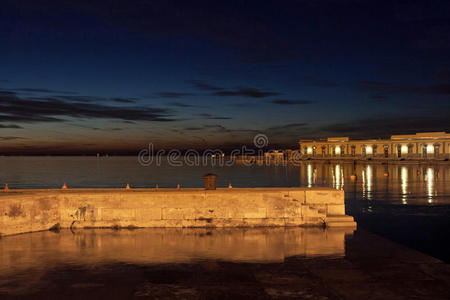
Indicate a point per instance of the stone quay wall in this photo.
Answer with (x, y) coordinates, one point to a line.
(24, 211)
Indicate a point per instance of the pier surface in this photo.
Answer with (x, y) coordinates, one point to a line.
(24, 211)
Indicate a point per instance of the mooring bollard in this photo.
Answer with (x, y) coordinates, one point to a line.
(230, 186)
(178, 186)
(156, 187)
(6, 187)
(210, 181)
(64, 187)
(128, 187)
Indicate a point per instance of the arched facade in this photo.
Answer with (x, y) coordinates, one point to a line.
(431, 145)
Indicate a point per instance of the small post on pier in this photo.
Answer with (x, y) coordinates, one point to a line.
(64, 187)
(6, 187)
(128, 187)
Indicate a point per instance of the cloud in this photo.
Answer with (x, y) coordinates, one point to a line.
(173, 95)
(45, 91)
(193, 128)
(124, 100)
(289, 126)
(291, 102)
(200, 85)
(16, 109)
(314, 81)
(7, 93)
(246, 92)
(10, 138)
(382, 87)
(179, 104)
(211, 117)
(10, 126)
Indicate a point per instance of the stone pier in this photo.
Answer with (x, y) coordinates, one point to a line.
(24, 211)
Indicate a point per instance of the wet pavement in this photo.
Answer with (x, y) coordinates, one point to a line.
(276, 263)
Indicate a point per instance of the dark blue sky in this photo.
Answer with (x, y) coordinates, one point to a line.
(88, 76)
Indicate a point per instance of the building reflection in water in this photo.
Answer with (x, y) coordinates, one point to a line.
(309, 168)
(404, 185)
(338, 177)
(429, 178)
(397, 183)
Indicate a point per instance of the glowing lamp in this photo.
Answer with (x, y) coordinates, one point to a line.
(404, 149)
(369, 150)
(309, 150)
(430, 149)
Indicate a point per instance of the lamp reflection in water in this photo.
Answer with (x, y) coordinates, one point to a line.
(404, 185)
(309, 174)
(429, 178)
(367, 181)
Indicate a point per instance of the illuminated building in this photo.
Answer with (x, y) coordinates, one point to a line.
(426, 145)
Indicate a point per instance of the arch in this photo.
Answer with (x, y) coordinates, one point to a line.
(386, 151)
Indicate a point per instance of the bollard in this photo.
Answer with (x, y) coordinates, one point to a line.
(6, 187)
(64, 187)
(128, 187)
(230, 186)
(156, 187)
(210, 181)
(353, 177)
(178, 186)
(386, 174)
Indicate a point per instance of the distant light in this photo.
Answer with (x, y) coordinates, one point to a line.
(369, 150)
(430, 148)
(338, 150)
(309, 151)
(404, 149)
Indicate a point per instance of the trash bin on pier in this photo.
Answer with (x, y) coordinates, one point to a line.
(210, 181)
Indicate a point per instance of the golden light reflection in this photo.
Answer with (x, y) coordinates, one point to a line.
(429, 178)
(369, 150)
(369, 180)
(338, 177)
(404, 184)
(430, 149)
(309, 174)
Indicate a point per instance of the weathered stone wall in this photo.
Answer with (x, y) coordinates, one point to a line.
(34, 210)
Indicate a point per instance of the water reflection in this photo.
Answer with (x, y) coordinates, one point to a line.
(338, 177)
(404, 185)
(399, 183)
(26, 257)
(430, 182)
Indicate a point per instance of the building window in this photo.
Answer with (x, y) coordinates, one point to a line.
(363, 150)
(410, 149)
(323, 151)
(399, 151)
(353, 149)
(374, 150)
(386, 151)
(436, 149)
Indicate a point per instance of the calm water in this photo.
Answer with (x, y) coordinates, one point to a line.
(411, 205)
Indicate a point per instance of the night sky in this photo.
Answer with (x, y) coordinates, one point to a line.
(113, 76)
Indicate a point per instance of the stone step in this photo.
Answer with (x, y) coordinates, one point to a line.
(339, 218)
(341, 224)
